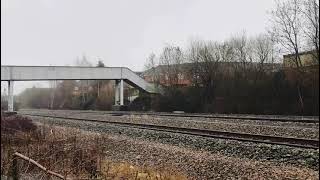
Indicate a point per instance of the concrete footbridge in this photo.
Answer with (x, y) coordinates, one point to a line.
(47, 73)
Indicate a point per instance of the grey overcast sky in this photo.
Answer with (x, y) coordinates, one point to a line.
(120, 32)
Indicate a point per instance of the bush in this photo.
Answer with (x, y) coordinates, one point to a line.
(174, 99)
(15, 123)
(141, 103)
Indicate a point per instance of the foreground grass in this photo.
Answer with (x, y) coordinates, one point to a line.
(71, 153)
(91, 155)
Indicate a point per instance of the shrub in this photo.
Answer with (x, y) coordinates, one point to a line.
(15, 123)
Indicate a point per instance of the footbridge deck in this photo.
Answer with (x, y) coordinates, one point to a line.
(38, 73)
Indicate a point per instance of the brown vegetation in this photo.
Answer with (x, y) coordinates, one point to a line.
(71, 153)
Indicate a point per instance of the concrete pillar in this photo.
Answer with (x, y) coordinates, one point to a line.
(121, 92)
(10, 96)
(116, 94)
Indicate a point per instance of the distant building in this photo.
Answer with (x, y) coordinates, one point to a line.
(308, 58)
(184, 76)
(158, 74)
(309, 65)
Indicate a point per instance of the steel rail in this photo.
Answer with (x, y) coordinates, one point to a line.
(256, 138)
(252, 118)
(237, 117)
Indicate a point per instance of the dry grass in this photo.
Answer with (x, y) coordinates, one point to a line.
(12, 124)
(112, 170)
(72, 153)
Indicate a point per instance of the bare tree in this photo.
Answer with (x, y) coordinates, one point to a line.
(151, 69)
(98, 82)
(63, 94)
(170, 65)
(84, 84)
(151, 62)
(226, 52)
(83, 61)
(223, 60)
(287, 29)
(310, 13)
(242, 55)
(263, 54)
(205, 58)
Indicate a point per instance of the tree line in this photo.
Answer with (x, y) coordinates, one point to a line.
(242, 74)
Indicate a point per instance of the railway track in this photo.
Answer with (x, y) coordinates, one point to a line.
(256, 138)
(308, 120)
(221, 117)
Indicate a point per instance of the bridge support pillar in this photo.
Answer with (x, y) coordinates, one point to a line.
(10, 96)
(119, 93)
(116, 93)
